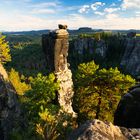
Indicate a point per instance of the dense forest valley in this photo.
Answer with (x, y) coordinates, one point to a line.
(104, 66)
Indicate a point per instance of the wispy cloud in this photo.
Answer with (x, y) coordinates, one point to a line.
(84, 9)
(44, 5)
(99, 13)
(130, 4)
(43, 11)
(111, 10)
(113, 4)
(44, 8)
(96, 5)
(28, 15)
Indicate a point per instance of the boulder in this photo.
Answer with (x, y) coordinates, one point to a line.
(128, 110)
(97, 130)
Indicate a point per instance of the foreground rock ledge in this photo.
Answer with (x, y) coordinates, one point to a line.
(98, 130)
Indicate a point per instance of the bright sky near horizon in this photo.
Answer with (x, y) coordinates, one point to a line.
(18, 15)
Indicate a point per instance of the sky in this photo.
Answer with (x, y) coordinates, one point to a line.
(23, 15)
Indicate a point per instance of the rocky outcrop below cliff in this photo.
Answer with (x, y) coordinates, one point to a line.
(9, 106)
(98, 130)
(131, 58)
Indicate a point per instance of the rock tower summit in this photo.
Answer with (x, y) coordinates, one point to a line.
(55, 45)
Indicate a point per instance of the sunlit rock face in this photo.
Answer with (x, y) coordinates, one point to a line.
(55, 45)
(9, 106)
(98, 130)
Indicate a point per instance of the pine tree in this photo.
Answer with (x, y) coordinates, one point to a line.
(98, 91)
(4, 50)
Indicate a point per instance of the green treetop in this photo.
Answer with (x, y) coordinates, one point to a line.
(98, 91)
(4, 50)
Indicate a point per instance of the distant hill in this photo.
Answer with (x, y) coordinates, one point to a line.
(72, 32)
(38, 32)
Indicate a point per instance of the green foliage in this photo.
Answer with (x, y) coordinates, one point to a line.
(98, 91)
(27, 55)
(47, 127)
(41, 95)
(44, 120)
(54, 126)
(18, 82)
(4, 50)
(28, 59)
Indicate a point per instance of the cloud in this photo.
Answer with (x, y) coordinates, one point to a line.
(111, 10)
(113, 4)
(99, 13)
(112, 16)
(130, 4)
(96, 5)
(111, 21)
(44, 8)
(43, 11)
(44, 5)
(84, 9)
(137, 13)
(30, 22)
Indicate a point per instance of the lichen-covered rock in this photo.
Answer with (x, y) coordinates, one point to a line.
(97, 130)
(9, 106)
(128, 110)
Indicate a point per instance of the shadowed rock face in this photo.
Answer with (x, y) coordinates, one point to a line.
(128, 110)
(131, 57)
(9, 107)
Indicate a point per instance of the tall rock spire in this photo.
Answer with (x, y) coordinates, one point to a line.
(55, 45)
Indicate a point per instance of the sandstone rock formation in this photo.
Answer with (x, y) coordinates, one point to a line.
(98, 130)
(91, 46)
(128, 110)
(131, 58)
(55, 45)
(9, 107)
